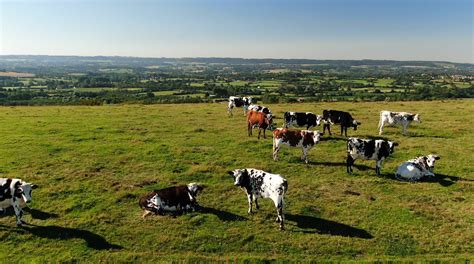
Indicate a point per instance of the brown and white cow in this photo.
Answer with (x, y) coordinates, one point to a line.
(305, 139)
(260, 120)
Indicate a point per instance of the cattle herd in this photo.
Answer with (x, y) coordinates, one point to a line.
(256, 183)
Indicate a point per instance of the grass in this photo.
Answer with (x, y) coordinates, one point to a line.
(93, 163)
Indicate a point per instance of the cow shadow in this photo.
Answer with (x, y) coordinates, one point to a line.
(322, 226)
(35, 213)
(222, 215)
(332, 138)
(360, 167)
(93, 240)
(442, 179)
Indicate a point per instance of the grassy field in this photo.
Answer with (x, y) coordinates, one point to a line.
(93, 163)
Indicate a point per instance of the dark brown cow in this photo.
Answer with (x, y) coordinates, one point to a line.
(259, 119)
(305, 139)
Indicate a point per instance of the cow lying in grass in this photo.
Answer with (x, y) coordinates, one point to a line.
(368, 149)
(175, 199)
(15, 193)
(417, 168)
(295, 138)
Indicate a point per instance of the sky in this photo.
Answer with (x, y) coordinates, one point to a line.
(304, 29)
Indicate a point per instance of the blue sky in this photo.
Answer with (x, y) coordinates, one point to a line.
(318, 29)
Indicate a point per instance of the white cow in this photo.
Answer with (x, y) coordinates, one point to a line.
(397, 118)
(417, 168)
(16, 193)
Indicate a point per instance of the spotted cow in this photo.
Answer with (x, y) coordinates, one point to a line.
(235, 101)
(338, 117)
(260, 120)
(172, 199)
(368, 149)
(304, 139)
(258, 183)
(417, 168)
(261, 108)
(388, 118)
(302, 119)
(15, 193)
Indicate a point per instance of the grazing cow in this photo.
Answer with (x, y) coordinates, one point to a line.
(261, 108)
(302, 119)
(295, 138)
(235, 101)
(397, 118)
(417, 168)
(368, 149)
(259, 119)
(258, 183)
(171, 199)
(16, 193)
(338, 117)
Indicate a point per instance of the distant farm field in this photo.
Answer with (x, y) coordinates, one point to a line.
(93, 163)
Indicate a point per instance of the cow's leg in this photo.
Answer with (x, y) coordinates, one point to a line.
(276, 149)
(18, 214)
(329, 129)
(264, 135)
(279, 204)
(259, 132)
(349, 163)
(405, 127)
(250, 198)
(146, 213)
(256, 203)
(381, 124)
(249, 129)
(304, 157)
(378, 166)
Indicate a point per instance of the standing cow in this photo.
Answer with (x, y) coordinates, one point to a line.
(302, 119)
(259, 119)
(16, 193)
(397, 118)
(261, 108)
(338, 117)
(295, 138)
(258, 183)
(417, 168)
(235, 101)
(368, 149)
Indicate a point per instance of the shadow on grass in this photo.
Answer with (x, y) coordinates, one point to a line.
(322, 226)
(93, 240)
(442, 179)
(222, 215)
(36, 214)
(331, 138)
(361, 167)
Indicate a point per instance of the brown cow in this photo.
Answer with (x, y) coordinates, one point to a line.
(262, 120)
(305, 139)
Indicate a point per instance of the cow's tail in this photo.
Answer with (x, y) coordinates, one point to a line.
(380, 120)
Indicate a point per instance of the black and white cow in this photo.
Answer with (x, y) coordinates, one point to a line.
(368, 149)
(397, 118)
(235, 101)
(301, 119)
(171, 199)
(261, 108)
(338, 117)
(305, 139)
(417, 168)
(15, 193)
(258, 183)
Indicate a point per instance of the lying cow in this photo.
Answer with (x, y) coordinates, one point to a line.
(302, 119)
(171, 199)
(15, 193)
(417, 168)
(338, 117)
(368, 149)
(235, 101)
(295, 138)
(397, 118)
(260, 120)
(258, 183)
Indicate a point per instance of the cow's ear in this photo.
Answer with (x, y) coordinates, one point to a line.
(359, 123)
(395, 143)
(230, 172)
(436, 157)
(34, 186)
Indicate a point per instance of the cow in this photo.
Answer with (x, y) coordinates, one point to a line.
(301, 119)
(172, 199)
(338, 117)
(235, 101)
(295, 138)
(15, 193)
(259, 119)
(368, 149)
(397, 118)
(417, 168)
(261, 108)
(258, 183)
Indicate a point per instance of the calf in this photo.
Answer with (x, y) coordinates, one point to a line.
(295, 138)
(302, 119)
(258, 183)
(368, 149)
(259, 119)
(417, 168)
(397, 118)
(338, 117)
(171, 199)
(235, 101)
(16, 193)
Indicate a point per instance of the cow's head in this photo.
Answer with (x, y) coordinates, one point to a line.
(355, 123)
(241, 177)
(316, 137)
(391, 146)
(430, 161)
(318, 120)
(195, 188)
(24, 190)
(417, 118)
